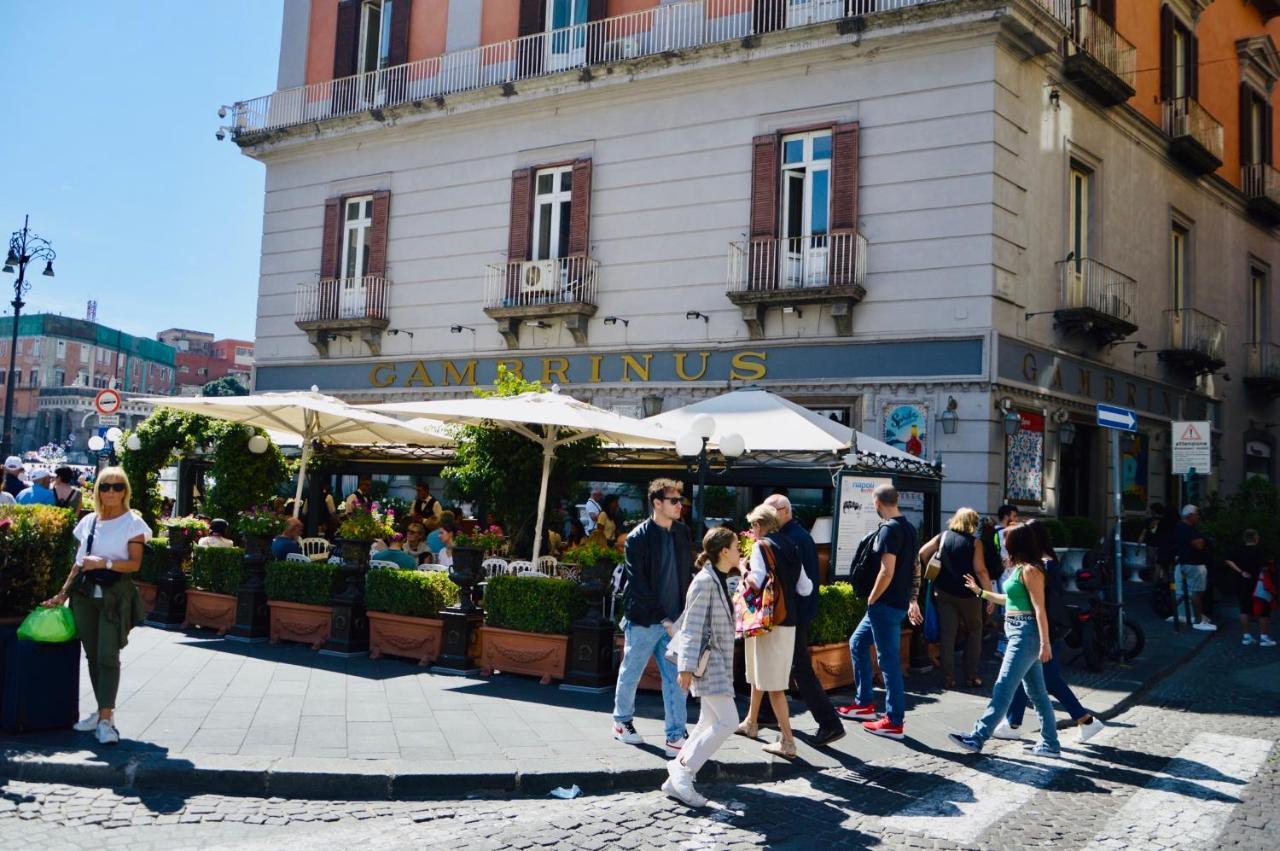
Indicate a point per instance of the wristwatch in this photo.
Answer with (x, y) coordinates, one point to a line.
(110, 564)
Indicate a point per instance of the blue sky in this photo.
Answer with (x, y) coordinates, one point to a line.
(110, 111)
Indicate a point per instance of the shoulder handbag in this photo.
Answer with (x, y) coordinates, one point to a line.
(934, 567)
(760, 610)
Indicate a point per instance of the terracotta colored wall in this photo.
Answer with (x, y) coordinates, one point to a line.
(499, 21)
(626, 7)
(1218, 29)
(427, 28)
(320, 40)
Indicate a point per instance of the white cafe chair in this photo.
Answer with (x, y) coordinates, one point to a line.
(312, 547)
(382, 564)
(547, 565)
(495, 567)
(297, 557)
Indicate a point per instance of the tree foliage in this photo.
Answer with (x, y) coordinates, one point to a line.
(1256, 505)
(502, 470)
(227, 385)
(241, 479)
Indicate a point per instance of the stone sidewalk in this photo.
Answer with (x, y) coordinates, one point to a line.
(206, 714)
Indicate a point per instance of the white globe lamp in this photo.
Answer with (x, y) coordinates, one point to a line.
(703, 426)
(688, 445)
(114, 434)
(96, 443)
(134, 443)
(258, 444)
(732, 445)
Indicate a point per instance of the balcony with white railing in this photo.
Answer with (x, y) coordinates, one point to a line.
(1099, 59)
(1262, 367)
(1196, 340)
(1261, 185)
(1195, 136)
(1096, 300)
(539, 292)
(790, 272)
(354, 308)
(661, 31)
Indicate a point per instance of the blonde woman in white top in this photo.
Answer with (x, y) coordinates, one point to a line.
(104, 600)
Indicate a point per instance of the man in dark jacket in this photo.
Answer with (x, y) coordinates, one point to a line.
(811, 691)
(659, 567)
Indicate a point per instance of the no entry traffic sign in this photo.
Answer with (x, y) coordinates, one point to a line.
(107, 402)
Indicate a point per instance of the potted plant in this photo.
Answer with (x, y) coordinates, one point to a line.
(300, 598)
(153, 563)
(839, 611)
(1083, 536)
(183, 532)
(468, 558)
(404, 612)
(527, 624)
(170, 609)
(215, 576)
(258, 525)
(360, 528)
(595, 562)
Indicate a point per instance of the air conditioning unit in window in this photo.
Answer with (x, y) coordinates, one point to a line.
(540, 276)
(621, 48)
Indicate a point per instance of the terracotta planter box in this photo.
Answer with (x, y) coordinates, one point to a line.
(651, 679)
(541, 656)
(147, 590)
(299, 622)
(400, 635)
(832, 664)
(213, 611)
(904, 658)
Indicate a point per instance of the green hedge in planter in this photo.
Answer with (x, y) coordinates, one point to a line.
(1084, 532)
(298, 582)
(412, 593)
(1058, 532)
(154, 559)
(839, 611)
(37, 550)
(216, 569)
(527, 604)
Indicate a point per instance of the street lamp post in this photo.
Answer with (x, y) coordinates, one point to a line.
(24, 247)
(693, 444)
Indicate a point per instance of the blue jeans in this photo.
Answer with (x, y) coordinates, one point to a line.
(1021, 666)
(641, 642)
(1057, 687)
(883, 626)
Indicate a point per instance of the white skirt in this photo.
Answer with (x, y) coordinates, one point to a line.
(768, 658)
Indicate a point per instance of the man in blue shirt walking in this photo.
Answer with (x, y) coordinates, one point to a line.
(39, 492)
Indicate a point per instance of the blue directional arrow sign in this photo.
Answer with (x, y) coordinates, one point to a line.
(1121, 419)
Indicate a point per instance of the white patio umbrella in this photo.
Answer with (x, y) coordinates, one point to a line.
(770, 423)
(311, 416)
(563, 420)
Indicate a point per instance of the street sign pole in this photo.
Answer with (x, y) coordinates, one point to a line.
(1119, 549)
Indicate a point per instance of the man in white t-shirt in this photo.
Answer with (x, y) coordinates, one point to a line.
(593, 509)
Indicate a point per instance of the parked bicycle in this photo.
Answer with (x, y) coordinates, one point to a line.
(1095, 626)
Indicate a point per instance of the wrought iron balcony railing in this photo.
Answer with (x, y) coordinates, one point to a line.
(663, 29)
(793, 263)
(540, 283)
(342, 299)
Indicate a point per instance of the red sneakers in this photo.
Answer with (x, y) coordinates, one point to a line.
(858, 712)
(884, 727)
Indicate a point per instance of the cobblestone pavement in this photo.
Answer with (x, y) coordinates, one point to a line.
(1195, 765)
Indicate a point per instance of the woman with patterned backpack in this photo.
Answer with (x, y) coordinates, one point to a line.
(765, 605)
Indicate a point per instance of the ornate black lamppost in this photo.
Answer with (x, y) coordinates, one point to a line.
(24, 247)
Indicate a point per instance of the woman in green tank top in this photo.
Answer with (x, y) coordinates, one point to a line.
(1026, 626)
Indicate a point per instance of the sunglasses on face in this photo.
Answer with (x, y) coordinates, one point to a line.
(674, 500)
(107, 487)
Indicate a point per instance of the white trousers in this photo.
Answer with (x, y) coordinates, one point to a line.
(717, 719)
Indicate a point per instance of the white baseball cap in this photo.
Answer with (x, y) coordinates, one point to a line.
(13, 463)
(40, 473)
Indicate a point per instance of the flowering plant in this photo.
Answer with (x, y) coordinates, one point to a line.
(188, 528)
(746, 543)
(370, 525)
(589, 553)
(490, 540)
(259, 520)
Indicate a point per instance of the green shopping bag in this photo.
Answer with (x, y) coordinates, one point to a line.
(50, 626)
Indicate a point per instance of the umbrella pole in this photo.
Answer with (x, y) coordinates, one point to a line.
(548, 452)
(302, 475)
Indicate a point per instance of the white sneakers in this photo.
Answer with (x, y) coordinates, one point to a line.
(1246, 639)
(1088, 731)
(679, 785)
(1004, 731)
(674, 746)
(107, 733)
(1263, 640)
(87, 724)
(1267, 641)
(625, 732)
(1205, 625)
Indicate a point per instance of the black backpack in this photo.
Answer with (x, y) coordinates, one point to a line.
(866, 565)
